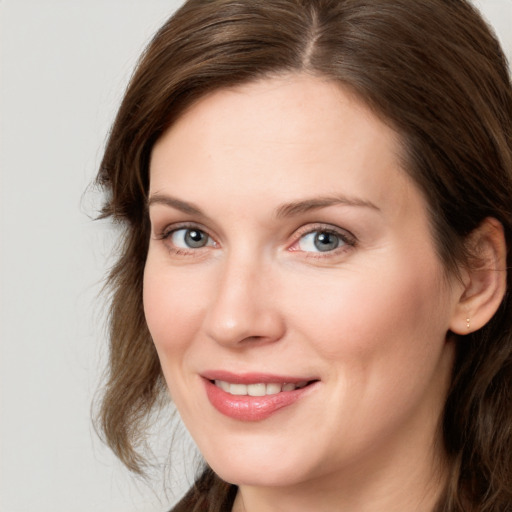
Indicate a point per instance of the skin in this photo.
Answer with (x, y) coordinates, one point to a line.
(368, 319)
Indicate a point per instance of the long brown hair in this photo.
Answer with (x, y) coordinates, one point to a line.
(433, 70)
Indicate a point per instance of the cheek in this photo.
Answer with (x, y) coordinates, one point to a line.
(398, 316)
(383, 336)
(173, 314)
(172, 306)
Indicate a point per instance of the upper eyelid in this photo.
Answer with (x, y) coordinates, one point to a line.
(160, 213)
(311, 228)
(167, 229)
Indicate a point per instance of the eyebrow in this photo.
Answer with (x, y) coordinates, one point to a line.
(286, 210)
(175, 203)
(315, 203)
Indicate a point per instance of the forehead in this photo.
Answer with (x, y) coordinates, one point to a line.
(279, 137)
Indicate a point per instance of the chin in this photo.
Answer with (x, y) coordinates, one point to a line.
(259, 467)
(250, 475)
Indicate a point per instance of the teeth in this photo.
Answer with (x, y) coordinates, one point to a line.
(238, 389)
(223, 385)
(258, 389)
(273, 389)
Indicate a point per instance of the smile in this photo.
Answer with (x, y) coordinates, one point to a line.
(258, 389)
(254, 397)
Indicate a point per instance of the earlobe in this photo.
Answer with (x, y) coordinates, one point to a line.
(484, 281)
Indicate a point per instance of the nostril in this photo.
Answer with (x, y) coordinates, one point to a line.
(253, 338)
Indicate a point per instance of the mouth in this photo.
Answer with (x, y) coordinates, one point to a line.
(255, 397)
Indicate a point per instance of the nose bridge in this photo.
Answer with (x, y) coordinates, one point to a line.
(242, 307)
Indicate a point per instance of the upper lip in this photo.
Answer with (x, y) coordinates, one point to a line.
(253, 377)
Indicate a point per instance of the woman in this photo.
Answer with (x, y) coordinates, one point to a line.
(316, 198)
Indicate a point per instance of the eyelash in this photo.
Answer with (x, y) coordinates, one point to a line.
(347, 239)
(167, 233)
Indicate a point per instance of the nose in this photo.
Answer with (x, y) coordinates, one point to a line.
(244, 305)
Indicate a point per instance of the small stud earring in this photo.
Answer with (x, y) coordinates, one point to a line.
(467, 323)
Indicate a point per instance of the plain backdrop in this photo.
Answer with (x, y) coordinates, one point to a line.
(63, 67)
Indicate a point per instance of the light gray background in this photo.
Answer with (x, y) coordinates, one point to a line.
(63, 67)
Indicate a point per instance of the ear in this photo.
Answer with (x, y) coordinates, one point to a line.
(485, 279)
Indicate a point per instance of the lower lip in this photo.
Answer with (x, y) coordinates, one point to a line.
(252, 408)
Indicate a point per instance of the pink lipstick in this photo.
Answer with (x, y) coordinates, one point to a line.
(253, 397)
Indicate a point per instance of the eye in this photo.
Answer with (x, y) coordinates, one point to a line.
(189, 238)
(321, 241)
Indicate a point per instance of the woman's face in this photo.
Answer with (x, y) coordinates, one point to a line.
(292, 288)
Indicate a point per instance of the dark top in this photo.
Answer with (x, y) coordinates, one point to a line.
(208, 494)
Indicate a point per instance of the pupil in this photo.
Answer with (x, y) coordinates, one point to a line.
(195, 238)
(326, 241)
